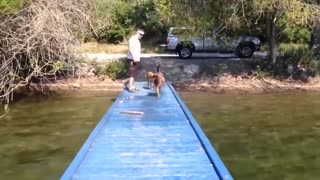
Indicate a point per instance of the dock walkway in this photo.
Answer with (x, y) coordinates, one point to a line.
(165, 142)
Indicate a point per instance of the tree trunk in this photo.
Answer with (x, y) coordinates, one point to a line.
(315, 39)
(273, 44)
(271, 37)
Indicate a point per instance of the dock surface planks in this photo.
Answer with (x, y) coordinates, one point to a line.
(165, 142)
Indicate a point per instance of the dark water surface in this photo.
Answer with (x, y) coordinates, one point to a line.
(259, 137)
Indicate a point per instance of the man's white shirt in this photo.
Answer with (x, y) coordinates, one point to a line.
(134, 51)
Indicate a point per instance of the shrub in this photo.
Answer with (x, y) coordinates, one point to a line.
(295, 35)
(285, 48)
(10, 5)
(297, 62)
(303, 35)
(116, 69)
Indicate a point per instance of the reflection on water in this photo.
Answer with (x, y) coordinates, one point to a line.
(259, 137)
(262, 137)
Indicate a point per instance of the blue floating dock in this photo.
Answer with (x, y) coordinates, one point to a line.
(165, 142)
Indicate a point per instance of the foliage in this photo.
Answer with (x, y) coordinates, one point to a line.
(147, 17)
(239, 16)
(261, 74)
(280, 13)
(116, 69)
(110, 20)
(295, 35)
(113, 21)
(297, 62)
(286, 48)
(37, 38)
(10, 5)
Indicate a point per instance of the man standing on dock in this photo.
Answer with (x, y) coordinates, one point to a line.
(133, 58)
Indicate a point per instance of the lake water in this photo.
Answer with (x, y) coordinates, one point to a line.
(270, 136)
(263, 137)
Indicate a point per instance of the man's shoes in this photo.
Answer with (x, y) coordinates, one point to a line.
(133, 90)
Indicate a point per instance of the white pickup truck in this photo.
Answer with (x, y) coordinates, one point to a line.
(180, 42)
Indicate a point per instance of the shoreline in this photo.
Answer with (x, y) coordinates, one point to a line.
(224, 84)
(218, 76)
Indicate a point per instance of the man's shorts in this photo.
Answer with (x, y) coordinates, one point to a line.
(132, 68)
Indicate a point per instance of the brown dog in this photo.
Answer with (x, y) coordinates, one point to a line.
(150, 79)
(159, 81)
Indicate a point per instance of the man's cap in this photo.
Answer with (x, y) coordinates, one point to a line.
(141, 32)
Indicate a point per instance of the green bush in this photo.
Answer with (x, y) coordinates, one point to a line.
(314, 68)
(297, 62)
(303, 35)
(295, 35)
(116, 69)
(288, 35)
(10, 5)
(285, 48)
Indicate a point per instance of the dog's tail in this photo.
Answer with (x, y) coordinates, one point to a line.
(158, 68)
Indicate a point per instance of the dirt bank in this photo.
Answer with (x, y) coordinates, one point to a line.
(221, 84)
(246, 84)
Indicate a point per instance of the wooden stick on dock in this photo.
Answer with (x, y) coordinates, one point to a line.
(132, 112)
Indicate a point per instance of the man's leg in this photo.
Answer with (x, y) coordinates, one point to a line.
(132, 73)
(131, 80)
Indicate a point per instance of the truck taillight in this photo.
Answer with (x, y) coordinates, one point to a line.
(167, 41)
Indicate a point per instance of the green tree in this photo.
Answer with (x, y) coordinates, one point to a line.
(296, 13)
(145, 15)
(110, 20)
(114, 20)
(241, 15)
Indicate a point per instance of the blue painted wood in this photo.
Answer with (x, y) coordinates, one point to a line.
(213, 155)
(163, 143)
